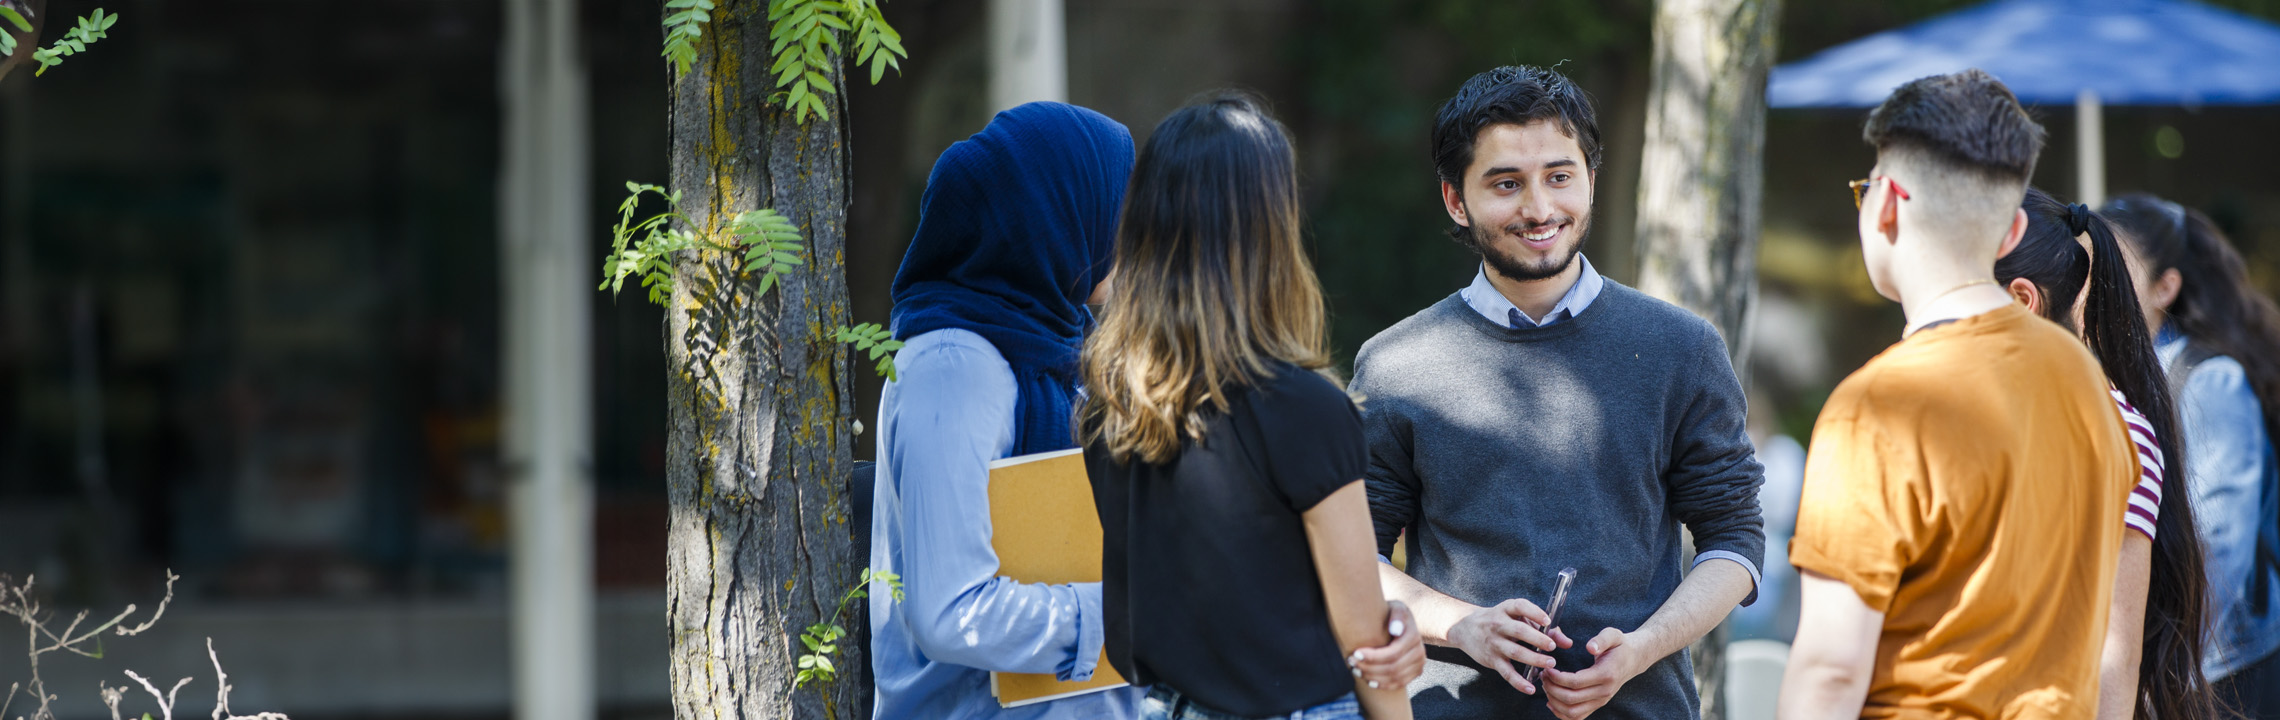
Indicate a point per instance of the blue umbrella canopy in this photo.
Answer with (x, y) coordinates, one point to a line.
(2129, 52)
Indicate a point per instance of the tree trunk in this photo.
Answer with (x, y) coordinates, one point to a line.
(758, 449)
(1702, 171)
(35, 12)
(1701, 185)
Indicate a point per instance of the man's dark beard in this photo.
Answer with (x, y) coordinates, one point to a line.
(1512, 268)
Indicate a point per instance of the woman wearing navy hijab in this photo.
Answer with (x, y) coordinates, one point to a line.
(1014, 236)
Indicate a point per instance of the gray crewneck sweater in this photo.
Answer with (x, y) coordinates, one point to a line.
(1508, 454)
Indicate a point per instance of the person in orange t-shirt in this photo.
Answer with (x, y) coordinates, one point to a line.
(1956, 532)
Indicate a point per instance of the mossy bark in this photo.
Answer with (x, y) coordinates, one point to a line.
(758, 447)
(1701, 190)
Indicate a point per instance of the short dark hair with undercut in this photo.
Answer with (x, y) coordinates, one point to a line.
(1968, 119)
(1516, 95)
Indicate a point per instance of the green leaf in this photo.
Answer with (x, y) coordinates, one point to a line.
(15, 19)
(786, 60)
(817, 80)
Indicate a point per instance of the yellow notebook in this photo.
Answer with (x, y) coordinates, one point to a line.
(1045, 530)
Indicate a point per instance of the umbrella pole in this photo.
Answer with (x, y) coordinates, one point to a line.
(2089, 149)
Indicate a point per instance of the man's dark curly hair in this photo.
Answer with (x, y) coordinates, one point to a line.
(1516, 95)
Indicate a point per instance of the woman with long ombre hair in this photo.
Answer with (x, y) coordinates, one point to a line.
(2069, 268)
(2220, 338)
(1238, 568)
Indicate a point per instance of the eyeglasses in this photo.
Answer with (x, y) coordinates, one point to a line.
(1860, 189)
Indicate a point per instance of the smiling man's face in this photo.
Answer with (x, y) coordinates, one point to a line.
(1526, 199)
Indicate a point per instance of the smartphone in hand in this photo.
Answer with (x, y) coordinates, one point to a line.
(1552, 619)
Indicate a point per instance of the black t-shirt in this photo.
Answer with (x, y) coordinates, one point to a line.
(1207, 578)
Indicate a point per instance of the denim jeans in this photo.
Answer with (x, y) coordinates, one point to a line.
(1164, 703)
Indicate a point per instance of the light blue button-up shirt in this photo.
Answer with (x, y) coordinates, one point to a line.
(2229, 466)
(1491, 304)
(950, 414)
(1485, 299)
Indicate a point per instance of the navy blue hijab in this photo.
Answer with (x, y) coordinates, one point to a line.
(1015, 229)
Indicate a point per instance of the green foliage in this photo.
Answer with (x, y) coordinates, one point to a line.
(7, 38)
(877, 340)
(90, 29)
(822, 639)
(682, 29)
(645, 248)
(804, 37)
(772, 241)
(771, 245)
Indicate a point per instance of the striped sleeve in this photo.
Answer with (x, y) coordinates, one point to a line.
(2145, 499)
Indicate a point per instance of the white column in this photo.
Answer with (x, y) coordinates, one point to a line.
(2089, 149)
(546, 268)
(1029, 58)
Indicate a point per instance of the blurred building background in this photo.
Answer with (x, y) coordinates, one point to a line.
(251, 286)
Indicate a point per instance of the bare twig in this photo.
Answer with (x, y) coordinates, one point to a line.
(16, 601)
(111, 697)
(165, 702)
(155, 614)
(69, 642)
(222, 696)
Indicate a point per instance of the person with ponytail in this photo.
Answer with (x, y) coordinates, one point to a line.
(2069, 269)
(2220, 339)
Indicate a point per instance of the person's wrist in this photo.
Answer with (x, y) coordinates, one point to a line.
(1465, 630)
(1652, 642)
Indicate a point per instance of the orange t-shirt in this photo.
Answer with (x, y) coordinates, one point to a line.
(1965, 482)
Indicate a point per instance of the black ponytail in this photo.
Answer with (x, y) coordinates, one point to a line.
(2170, 683)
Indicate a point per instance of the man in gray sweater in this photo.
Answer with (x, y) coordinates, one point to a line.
(1544, 418)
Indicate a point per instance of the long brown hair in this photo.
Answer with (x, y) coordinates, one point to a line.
(1211, 285)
